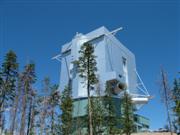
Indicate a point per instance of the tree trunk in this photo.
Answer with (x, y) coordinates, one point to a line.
(89, 103)
(52, 121)
(42, 123)
(29, 116)
(14, 113)
(32, 122)
(23, 116)
(43, 115)
(2, 118)
(2, 126)
(4, 94)
(90, 117)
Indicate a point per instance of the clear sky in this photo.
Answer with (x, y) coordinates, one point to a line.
(36, 29)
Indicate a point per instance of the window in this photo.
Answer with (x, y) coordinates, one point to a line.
(124, 62)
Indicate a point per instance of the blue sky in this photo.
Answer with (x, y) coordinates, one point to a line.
(36, 29)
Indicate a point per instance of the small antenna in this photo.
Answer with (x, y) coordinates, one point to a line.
(115, 31)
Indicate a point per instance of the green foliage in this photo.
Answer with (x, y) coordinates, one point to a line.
(98, 116)
(8, 78)
(176, 100)
(2, 92)
(66, 108)
(111, 118)
(176, 90)
(25, 105)
(86, 66)
(28, 76)
(53, 102)
(54, 96)
(34, 115)
(31, 115)
(27, 79)
(47, 111)
(1, 81)
(43, 106)
(127, 119)
(38, 113)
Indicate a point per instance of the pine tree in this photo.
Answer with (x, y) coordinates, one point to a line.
(34, 114)
(166, 97)
(8, 78)
(110, 110)
(176, 100)
(1, 110)
(27, 80)
(1, 81)
(87, 67)
(98, 111)
(15, 107)
(43, 104)
(127, 116)
(30, 112)
(98, 115)
(48, 105)
(54, 102)
(66, 107)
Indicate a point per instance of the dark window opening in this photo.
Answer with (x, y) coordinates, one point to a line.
(66, 53)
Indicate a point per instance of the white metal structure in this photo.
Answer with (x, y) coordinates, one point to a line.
(115, 63)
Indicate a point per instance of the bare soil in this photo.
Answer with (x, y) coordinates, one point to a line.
(154, 133)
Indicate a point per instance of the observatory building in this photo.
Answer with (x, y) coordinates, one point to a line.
(115, 64)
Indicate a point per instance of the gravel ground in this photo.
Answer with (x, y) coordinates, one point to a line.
(154, 133)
